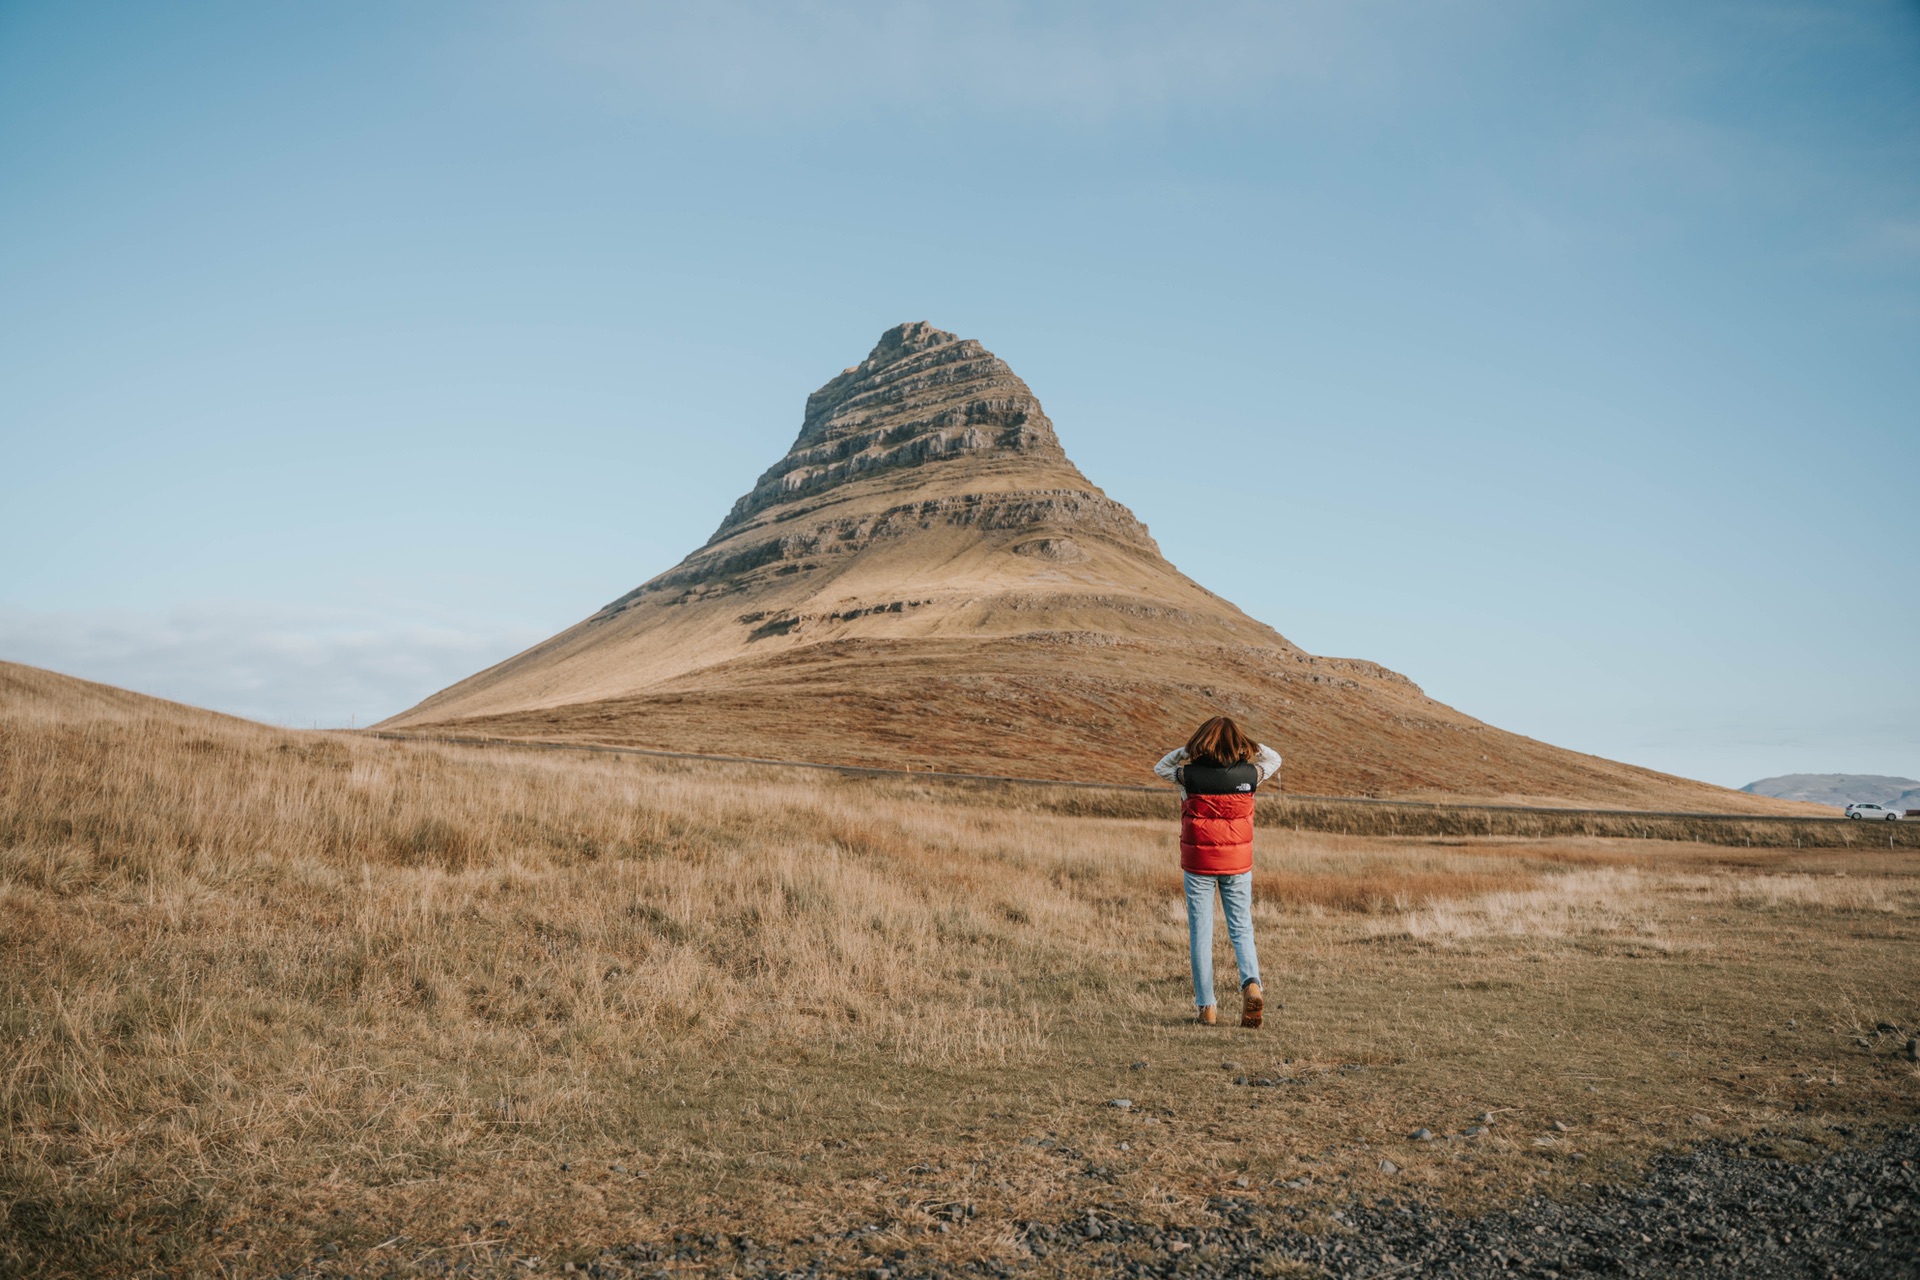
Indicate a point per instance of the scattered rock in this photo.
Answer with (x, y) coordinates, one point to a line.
(1064, 550)
(1560, 1126)
(1421, 1135)
(1485, 1117)
(1715, 1211)
(1123, 1104)
(1137, 1066)
(1475, 1131)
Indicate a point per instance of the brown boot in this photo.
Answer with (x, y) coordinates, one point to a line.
(1253, 1005)
(1209, 1014)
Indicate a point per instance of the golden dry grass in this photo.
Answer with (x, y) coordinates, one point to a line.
(1512, 817)
(265, 992)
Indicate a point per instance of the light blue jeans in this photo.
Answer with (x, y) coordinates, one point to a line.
(1236, 897)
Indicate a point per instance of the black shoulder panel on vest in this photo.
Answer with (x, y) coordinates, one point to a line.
(1214, 780)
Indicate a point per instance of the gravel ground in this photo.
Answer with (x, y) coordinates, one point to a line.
(1717, 1211)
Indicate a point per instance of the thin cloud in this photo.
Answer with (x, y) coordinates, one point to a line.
(1078, 61)
(283, 666)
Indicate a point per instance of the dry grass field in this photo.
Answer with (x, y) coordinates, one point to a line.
(273, 1000)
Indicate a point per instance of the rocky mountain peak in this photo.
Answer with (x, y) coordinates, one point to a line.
(903, 340)
(921, 396)
(926, 579)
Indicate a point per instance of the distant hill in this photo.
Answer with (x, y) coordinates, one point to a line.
(1840, 789)
(34, 693)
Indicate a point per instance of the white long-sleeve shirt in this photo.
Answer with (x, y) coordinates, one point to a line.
(1265, 758)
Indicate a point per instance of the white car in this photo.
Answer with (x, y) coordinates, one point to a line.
(1872, 811)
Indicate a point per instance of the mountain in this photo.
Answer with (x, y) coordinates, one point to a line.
(926, 580)
(1841, 789)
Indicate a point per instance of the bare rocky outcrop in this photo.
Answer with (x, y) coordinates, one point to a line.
(922, 395)
(1060, 550)
(924, 408)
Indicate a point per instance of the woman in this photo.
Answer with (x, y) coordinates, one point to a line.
(1217, 773)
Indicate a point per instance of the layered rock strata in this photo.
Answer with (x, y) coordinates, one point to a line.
(920, 396)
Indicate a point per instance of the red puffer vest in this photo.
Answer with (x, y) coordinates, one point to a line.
(1216, 819)
(1216, 835)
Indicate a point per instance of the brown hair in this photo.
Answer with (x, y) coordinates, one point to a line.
(1220, 742)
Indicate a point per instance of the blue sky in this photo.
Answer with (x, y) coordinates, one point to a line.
(1560, 355)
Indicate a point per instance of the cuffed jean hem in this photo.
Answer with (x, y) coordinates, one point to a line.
(1236, 901)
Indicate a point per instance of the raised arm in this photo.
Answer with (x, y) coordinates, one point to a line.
(1171, 762)
(1268, 761)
